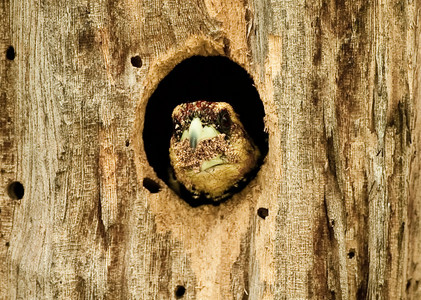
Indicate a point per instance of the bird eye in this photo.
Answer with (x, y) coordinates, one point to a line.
(224, 120)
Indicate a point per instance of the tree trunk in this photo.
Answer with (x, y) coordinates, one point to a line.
(333, 213)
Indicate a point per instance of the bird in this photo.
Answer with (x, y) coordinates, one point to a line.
(211, 154)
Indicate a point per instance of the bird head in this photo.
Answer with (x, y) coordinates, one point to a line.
(210, 152)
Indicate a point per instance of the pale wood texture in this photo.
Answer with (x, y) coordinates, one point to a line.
(341, 85)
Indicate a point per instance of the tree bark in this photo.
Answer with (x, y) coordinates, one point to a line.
(340, 83)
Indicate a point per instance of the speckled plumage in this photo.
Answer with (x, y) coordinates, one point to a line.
(216, 164)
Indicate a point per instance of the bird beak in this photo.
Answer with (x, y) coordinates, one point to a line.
(197, 132)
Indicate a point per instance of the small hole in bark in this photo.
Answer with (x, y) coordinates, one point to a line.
(10, 53)
(15, 190)
(136, 61)
(263, 212)
(408, 284)
(151, 185)
(351, 254)
(180, 291)
(227, 46)
(7, 244)
(127, 143)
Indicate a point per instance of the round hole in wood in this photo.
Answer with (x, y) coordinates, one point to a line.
(136, 61)
(210, 78)
(263, 212)
(151, 185)
(15, 190)
(180, 291)
(10, 53)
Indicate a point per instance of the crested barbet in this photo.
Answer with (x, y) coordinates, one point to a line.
(210, 151)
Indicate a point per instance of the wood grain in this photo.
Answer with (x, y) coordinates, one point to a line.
(340, 83)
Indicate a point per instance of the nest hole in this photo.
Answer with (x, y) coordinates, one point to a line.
(210, 78)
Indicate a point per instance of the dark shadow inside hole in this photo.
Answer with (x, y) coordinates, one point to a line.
(213, 78)
(15, 190)
(10, 53)
(351, 254)
(180, 291)
(151, 185)
(136, 61)
(263, 212)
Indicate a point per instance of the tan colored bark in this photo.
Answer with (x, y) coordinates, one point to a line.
(340, 83)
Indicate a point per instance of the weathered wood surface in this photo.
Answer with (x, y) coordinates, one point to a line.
(340, 82)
